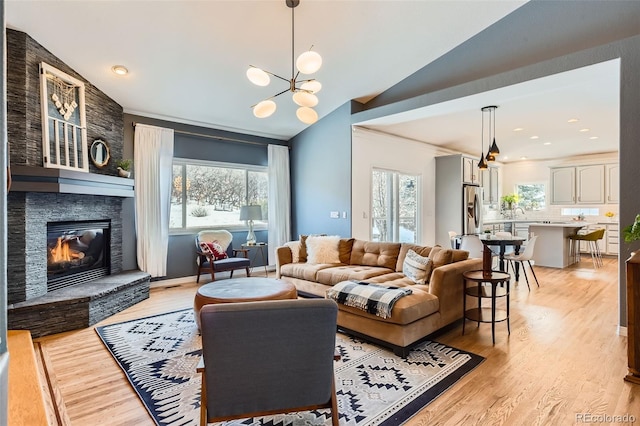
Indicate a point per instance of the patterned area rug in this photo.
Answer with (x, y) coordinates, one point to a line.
(159, 355)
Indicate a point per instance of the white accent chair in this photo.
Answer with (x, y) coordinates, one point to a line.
(525, 256)
(206, 262)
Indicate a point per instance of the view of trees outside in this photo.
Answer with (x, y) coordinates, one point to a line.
(212, 196)
(531, 196)
(394, 206)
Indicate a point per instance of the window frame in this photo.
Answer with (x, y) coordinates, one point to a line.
(184, 162)
(545, 191)
(394, 202)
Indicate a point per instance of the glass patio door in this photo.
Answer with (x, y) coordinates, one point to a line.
(394, 206)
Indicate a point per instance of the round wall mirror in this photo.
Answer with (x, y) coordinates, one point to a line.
(100, 153)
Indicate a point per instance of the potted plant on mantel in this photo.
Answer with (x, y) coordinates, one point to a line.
(124, 167)
(631, 233)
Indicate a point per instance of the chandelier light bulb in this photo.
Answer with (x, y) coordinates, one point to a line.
(309, 62)
(313, 86)
(307, 115)
(305, 99)
(264, 109)
(258, 77)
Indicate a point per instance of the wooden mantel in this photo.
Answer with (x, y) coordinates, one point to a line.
(40, 179)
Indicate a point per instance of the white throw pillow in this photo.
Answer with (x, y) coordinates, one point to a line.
(416, 267)
(323, 249)
(294, 246)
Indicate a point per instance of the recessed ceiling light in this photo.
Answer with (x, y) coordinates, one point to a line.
(505, 157)
(518, 129)
(547, 143)
(523, 158)
(535, 137)
(120, 69)
(584, 130)
(593, 137)
(572, 120)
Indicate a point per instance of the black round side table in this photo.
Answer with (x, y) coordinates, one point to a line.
(482, 291)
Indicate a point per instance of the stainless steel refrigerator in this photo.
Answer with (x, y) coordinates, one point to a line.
(458, 202)
(472, 204)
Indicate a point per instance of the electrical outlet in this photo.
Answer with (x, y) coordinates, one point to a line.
(344, 215)
(334, 215)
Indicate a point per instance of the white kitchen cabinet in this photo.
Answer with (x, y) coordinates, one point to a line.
(489, 180)
(470, 170)
(582, 184)
(612, 179)
(611, 239)
(563, 185)
(590, 184)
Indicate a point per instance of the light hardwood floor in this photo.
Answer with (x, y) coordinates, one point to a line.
(563, 359)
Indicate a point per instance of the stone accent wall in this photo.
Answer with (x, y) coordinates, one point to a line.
(27, 238)
(24, 119)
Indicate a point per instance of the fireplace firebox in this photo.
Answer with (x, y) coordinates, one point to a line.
(77, 251)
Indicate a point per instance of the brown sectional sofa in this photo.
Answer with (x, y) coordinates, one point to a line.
(429, 307)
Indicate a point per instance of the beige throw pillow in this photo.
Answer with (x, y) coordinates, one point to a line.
(416, 267)
(323, 249)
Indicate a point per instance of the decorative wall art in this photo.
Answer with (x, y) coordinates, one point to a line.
(64, 130)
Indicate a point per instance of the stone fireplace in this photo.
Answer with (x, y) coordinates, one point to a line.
(87, 284)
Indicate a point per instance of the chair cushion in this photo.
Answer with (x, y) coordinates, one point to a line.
(231, 263)
(213, 248)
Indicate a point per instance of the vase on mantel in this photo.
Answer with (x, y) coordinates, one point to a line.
(123, 173)
(633, 317)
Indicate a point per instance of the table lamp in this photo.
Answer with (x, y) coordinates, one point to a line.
(251, 213)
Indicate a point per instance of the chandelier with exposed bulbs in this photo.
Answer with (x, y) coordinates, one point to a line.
(304, 91)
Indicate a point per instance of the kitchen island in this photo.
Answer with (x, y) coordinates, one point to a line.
(553, 244)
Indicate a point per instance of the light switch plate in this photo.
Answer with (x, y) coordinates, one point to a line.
(334, 215)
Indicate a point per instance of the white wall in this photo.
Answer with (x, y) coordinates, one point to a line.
(371, 150)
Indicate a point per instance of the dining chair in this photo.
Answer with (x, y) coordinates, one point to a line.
(525, 256)
(473, 245)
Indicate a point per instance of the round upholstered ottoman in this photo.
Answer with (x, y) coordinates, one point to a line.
(234, 290)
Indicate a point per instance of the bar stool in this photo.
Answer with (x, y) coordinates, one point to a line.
(592, 239)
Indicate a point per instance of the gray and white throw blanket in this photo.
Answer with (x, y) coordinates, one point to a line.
(371, 298)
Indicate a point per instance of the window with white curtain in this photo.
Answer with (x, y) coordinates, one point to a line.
(208, 194)
(394, 206)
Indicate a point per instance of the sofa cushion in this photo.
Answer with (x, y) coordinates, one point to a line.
(344, 249)
(336, 274)
(407, 309)
(459, 255)
(405, 247)
(416, 267)
(303, 271)
(323, 249)
(371, 253)
(440, 256)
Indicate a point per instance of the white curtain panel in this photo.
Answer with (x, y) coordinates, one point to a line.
(279, 199)
(153, 156)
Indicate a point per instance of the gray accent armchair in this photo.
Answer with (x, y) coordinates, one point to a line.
(271, 357)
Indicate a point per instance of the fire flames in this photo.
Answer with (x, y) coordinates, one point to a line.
(63, 253)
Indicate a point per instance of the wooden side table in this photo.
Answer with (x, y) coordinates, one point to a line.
(261, 249)
(481, 291)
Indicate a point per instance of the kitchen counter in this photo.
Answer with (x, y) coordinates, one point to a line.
(553, 244)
